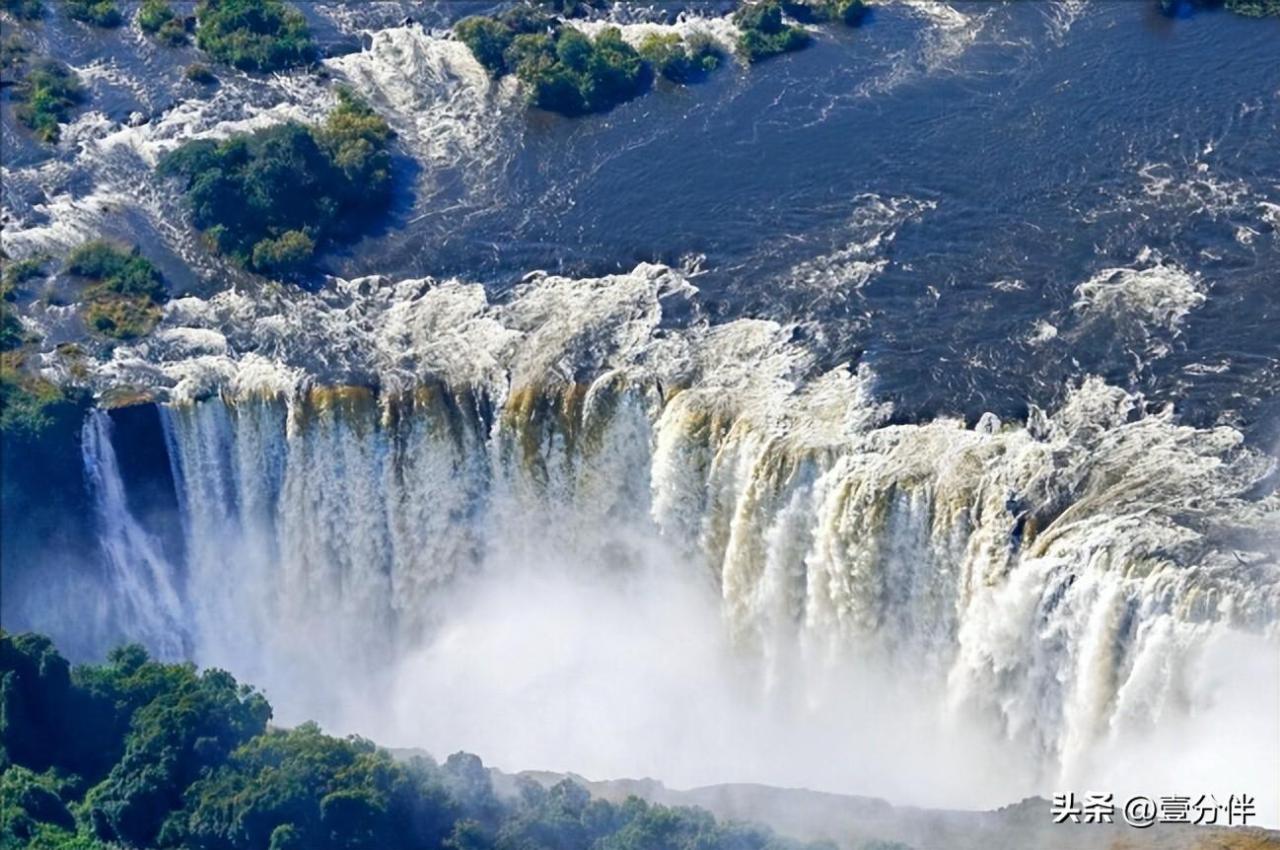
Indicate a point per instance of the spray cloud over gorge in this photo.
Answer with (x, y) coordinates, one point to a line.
(866, 470)
(691, 554)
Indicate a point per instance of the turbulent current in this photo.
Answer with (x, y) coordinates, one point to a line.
(1093, 579)
(821, 455)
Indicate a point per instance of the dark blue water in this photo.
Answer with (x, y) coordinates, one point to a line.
(1043, 158)
(924, 194)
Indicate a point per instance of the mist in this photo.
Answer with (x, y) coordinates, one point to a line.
(545, 664)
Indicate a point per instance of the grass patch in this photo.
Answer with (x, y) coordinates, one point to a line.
(126, 290)
(123, 317)
(18, 272)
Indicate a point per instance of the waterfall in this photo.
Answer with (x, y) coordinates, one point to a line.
(147, 603)
(1063, 583)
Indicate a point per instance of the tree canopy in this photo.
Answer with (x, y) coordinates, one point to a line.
(254, 35)
(269, 199)
(564, 70)
(763, 33)
(157, 19)
(139, 753)
(100, 13)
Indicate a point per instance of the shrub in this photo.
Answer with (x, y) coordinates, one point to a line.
(121, 317)
(262, 198)
(17, 273)
(123, 301)
(562, 69)
(292, 250)
(488, 40)
(678, 60)
(121, 271)
(849, 12)
(573, 75)
(153, 14)
(46, 95)
(29, 404)
(157, 19)
(254, 35)
(100, 13)
(572, 8)
(197, 73)
(763, 32)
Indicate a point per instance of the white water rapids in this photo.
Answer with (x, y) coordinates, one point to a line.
(582, 528)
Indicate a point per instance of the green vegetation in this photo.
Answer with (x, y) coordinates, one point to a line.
(254, 35)
(763, 32)
(565, 71)
(197, 73)
(122, 317)
(45, 94)
(848, 12)
(157, 19)
(572, 74)
(123, 272)
(100, 13)
(18, 272)
(678, 60)
(137, 753)
(25, 10)
(29, 406)
(270, 198)
(123, 301)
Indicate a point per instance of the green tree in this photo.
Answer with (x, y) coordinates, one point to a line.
(254, 35)
(763, 33)
(488, 40)
(157, 19)
(100, 13)
(167, 756)
(269, 199)
(680, 60)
